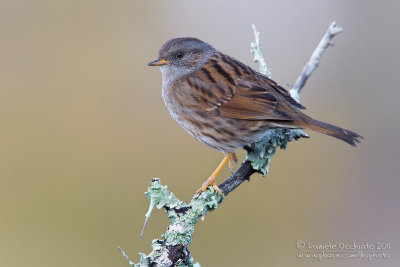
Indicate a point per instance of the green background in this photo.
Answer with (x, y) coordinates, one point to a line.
(83, 129)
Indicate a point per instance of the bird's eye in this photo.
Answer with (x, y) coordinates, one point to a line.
(179, 55)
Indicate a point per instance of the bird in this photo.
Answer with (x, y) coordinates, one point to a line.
(226, 104)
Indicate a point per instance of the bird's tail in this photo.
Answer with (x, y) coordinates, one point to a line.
(347, 136)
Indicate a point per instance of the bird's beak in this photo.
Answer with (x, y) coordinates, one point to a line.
(158, 62)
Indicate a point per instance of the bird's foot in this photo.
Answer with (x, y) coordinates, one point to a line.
(210, 182)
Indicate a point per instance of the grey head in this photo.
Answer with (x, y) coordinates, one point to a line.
(181, 56)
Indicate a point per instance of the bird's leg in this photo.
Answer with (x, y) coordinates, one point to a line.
(232, 162)
(211, 181)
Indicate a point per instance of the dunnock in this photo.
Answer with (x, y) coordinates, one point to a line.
(225, 104)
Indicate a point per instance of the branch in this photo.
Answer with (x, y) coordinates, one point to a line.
(313, 62)
(172, 248)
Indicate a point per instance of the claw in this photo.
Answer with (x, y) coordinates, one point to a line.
(232, 162)
(210, 182)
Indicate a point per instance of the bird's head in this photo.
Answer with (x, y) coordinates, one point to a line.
(181, 56)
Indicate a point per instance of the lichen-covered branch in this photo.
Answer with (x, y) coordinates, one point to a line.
(172, 248)
(313, 62)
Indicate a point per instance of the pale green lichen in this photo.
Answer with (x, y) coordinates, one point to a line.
(261, 152)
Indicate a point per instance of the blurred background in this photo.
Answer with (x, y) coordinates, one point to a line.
(84, 129)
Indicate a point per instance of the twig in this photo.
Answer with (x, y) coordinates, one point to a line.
(313, 62)
(256, 50)
(242, 174)
(172, 248)
(127, 257)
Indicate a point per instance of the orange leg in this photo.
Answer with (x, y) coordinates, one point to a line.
(211, 181)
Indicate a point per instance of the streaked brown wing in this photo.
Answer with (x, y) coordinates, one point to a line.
(252, 102)
(237, 91)
(237, 99)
